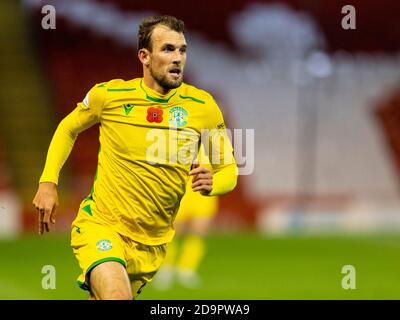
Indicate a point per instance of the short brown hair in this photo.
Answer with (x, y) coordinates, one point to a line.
(148, 25)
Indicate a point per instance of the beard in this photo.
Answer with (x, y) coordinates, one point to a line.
(164, 82)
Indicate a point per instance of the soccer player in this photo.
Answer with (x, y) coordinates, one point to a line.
(186, 252)
(148, 126)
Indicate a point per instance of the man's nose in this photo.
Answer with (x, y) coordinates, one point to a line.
(177, 57)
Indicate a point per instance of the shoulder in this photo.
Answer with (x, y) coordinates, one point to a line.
(102, 93)
(118, 85)
(195, 94)
(211, 112)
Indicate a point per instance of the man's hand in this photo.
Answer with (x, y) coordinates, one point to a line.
(202, 179)
(46, 202)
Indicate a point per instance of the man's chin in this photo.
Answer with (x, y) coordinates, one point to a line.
(173, 84)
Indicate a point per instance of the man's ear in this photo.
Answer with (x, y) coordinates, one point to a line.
(144, 56)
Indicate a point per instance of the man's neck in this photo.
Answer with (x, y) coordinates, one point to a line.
(153, 85)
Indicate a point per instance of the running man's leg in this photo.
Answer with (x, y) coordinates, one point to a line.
(109, 281)
(100, 252)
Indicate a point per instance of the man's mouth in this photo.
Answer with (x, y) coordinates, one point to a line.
(175, 71)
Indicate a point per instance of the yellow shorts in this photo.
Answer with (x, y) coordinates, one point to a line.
(195, 205)
(94, 243)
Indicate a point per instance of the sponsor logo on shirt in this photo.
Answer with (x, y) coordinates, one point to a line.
(128, 108)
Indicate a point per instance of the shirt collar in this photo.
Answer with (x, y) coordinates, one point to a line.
(155, 96)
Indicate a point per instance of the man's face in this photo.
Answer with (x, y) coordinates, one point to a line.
(168, 57)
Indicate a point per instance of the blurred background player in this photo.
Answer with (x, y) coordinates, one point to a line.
(186, 252)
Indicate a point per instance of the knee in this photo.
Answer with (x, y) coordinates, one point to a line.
(118, 295)
(112, 294)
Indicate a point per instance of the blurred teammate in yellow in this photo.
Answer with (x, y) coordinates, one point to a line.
(149, 129)
(187, 250)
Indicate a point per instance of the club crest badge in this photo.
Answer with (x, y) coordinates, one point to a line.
(178, 117)
(104, 245)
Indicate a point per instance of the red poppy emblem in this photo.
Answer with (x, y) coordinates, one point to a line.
(154, 115)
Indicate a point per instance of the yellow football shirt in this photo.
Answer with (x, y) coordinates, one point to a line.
(147, 146)
(194, 204)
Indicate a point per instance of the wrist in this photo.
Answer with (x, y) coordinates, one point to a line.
(47, 185)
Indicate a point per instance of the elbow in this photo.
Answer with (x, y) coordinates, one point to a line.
(225, 182)
(234, 178)
(65, 128)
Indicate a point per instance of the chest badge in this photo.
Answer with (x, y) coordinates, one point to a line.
(104, 245)
(128, 108)
(154, 115)
(178, 117)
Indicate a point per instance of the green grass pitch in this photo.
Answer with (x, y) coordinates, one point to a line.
(237, 266)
